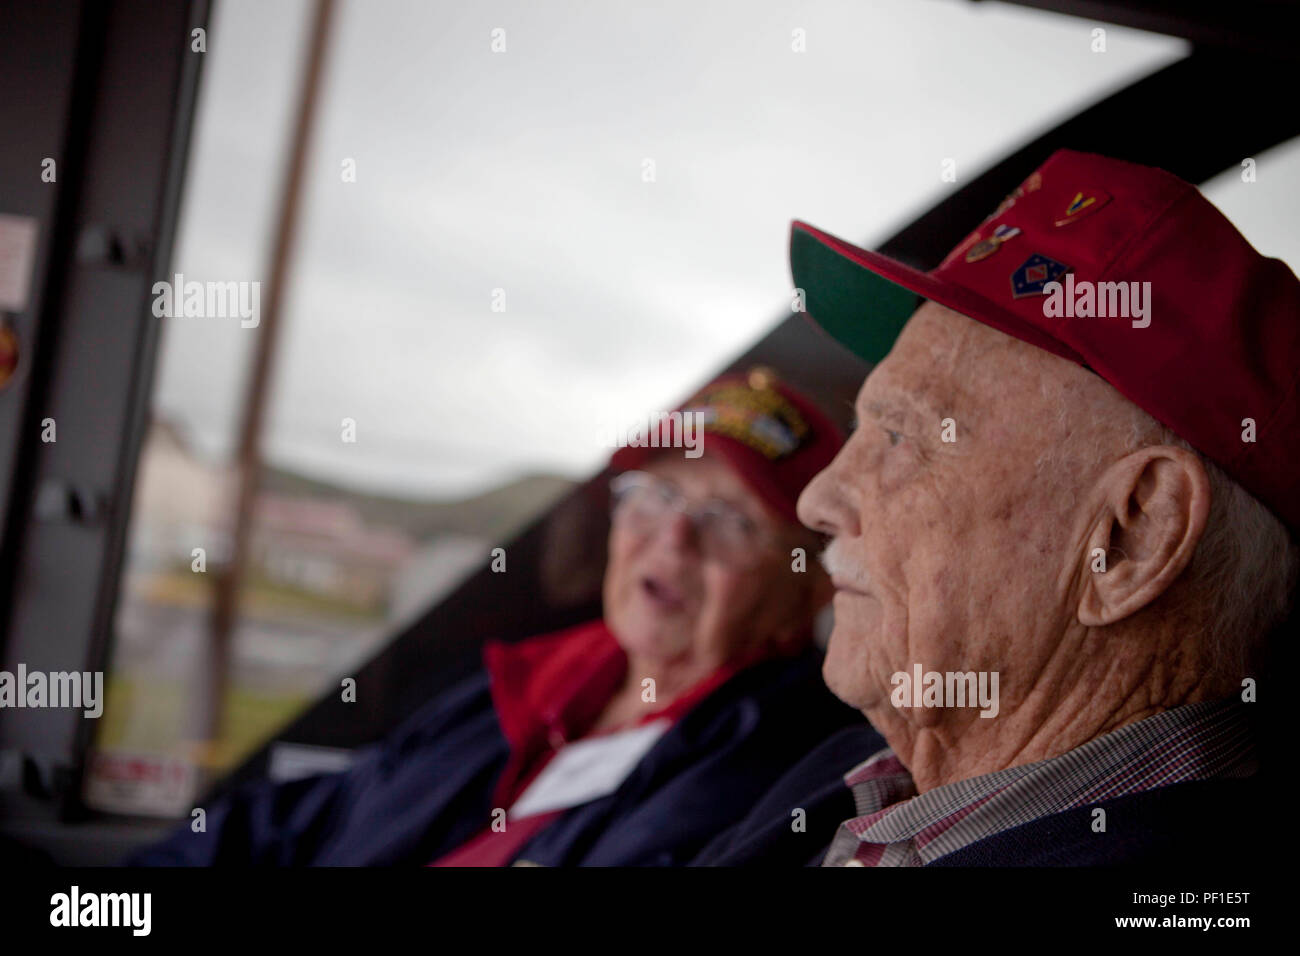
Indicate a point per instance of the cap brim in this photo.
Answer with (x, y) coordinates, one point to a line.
(863, 299)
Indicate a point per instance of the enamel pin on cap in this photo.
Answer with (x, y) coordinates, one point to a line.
(1034, 273)
(986, 247)
(1084, 204)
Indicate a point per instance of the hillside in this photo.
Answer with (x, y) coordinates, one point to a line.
(492, 515)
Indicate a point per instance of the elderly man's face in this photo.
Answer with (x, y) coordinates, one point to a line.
(957, 556)
(666, 600)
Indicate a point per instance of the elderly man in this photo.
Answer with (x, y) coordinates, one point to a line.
(624, 740)
(1062, 533)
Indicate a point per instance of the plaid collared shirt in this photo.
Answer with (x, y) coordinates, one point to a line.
(897, 827)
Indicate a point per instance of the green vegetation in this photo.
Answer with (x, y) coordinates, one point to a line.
(152, 715)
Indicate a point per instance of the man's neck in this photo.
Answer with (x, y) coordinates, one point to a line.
(1072, 702)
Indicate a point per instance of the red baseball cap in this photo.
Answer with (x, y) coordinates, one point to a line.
(774, 437)
(1128, 271)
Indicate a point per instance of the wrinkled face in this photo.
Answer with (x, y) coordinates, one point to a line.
(666, 600)
(956, 555)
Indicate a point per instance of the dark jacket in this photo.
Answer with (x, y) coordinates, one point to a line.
(1211, 822)
(429, 787)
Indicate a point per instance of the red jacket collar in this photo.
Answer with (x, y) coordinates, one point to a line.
(548, 690)
(553, 684)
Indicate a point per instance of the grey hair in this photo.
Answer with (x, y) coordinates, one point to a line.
(1242, 578)
(1243, 574)
(1241, 581)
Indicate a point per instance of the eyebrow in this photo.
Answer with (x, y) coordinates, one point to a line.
(890, 411)
(903, 408)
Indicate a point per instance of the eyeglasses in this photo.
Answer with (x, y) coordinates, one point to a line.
(642, 502)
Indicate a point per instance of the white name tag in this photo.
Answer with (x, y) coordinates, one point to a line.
(587, 770)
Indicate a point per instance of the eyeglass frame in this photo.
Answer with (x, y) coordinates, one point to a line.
(677, 502)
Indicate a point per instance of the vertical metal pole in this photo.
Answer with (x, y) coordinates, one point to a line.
(225, 607)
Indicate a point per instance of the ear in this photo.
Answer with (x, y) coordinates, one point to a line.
(1154, 506)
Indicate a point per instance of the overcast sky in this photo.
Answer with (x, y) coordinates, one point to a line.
(523, 170)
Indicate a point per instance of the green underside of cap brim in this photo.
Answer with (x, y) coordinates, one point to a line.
(862, 311)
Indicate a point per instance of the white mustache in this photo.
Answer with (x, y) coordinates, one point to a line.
(843, 567)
